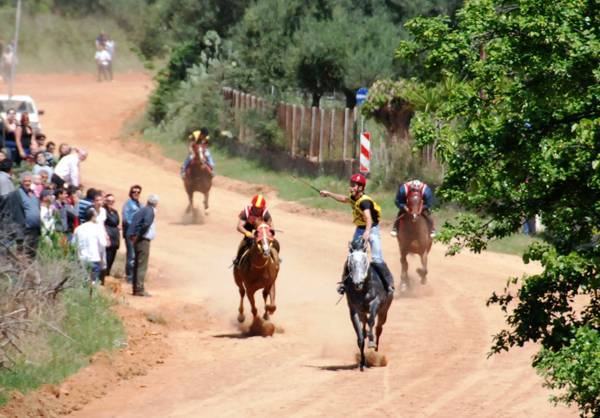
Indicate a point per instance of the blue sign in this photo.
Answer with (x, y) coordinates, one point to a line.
(361, 95)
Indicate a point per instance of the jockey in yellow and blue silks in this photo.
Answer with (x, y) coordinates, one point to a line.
(198, 141)
(366, 214)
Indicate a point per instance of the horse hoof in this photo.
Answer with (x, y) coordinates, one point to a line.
(362, 368)
(206, 212)
(403, 287)
(423, 280)
(372, 344)
(241, 318)
(266, 316)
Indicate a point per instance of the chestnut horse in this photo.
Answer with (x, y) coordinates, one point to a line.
(413, 237)
(198, 178)
(258, 269)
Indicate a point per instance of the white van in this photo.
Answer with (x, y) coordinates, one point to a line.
(21, 104)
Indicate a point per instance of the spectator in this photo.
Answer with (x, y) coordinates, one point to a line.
(41, 164)
(103, 63)
(68, 168)
(23, 138)
(63, 151)
(73, 194)
(141, 231)
(23, 208)
(90, 241)
(86, 203)
(130, 208)
(47, 216)
(9, 128)
(36, 185)
(111, 225)
(49, 154)
(2, 153)
(6, 184)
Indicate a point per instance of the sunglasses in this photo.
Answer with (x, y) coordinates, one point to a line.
(136, 191)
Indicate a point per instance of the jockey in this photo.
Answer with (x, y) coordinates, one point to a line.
(366, 214)
(249, 218)
(198, 141)
(403, 191)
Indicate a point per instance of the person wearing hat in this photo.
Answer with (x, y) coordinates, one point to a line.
(198, 142)
(366, 214)
(47, 215)
(68, 168)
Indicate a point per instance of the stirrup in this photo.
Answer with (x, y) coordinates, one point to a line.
(341, 289)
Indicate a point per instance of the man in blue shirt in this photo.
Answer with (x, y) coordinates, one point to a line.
(130, 208)
(22, 207)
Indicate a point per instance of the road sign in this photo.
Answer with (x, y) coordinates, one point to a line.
(361, 95)
(365, 152)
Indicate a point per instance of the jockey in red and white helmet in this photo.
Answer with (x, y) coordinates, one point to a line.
(198, 142)
(414, 186)
(366, 214)
(253, 214)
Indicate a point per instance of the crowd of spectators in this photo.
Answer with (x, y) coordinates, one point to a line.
(48, 205)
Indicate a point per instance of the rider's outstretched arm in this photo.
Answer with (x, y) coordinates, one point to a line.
(339, 197)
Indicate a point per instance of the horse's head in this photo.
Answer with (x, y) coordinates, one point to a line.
(414, 204)
(358, 263)
(264, 238)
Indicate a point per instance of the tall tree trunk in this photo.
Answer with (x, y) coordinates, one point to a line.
(316, 99)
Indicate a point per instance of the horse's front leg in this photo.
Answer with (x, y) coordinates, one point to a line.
(270, 307)
(423, 270)
(360, 338)
(252, 303)
(404, 271)
(206, 203)
(371, 321)
(241, 316)
(190, 207)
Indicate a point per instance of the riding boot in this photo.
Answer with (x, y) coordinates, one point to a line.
(394, 231)
(244, 245)
(341, 289)
(386, 276)
(427, 215)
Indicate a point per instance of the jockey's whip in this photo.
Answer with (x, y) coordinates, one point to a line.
(306, 183)
(341, 296)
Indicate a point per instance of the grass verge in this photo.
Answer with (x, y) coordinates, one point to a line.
(88, 325)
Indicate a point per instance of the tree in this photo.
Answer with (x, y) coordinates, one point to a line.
(520, 136)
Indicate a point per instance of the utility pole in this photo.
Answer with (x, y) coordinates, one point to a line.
(13, 66)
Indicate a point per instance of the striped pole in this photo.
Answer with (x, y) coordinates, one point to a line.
(365, 152)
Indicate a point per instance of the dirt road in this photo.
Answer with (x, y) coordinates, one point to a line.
(436, 340)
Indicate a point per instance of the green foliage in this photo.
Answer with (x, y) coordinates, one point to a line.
(184, 58)
(90, 325)
(520, 134)
(197, 101)
(266, 131)
(575, 370)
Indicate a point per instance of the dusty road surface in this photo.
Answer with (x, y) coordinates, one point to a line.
(435, 340)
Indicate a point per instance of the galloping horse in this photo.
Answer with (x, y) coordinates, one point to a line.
(413, 237)
(258, 269)
(367, 298)
(197, 178)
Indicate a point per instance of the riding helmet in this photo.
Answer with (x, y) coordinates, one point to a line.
(359, 179)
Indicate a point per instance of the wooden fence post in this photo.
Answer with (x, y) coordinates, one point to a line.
(301, 132)
(332, 133)
(345, 143)
(321, 126)
(313, 120)
(293, 131)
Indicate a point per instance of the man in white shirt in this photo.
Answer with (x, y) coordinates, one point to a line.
(103, 63)
(90, 241)
(68, 167)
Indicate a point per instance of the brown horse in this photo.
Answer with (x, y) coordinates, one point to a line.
(258, 269)
(413, 237)
(198, 178)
